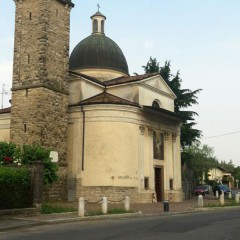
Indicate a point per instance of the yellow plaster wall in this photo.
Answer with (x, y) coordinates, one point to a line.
(5, 127)
(117, 153)
(110, 153)
(101, 74)
(147, 96)
(81, 89)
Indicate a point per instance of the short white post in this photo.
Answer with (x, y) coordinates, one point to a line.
(237, 198)
(200, 200)
(230, 195)
(81, 207)
(222, 199)
(104, 205)
(127, 204)
(217, 194)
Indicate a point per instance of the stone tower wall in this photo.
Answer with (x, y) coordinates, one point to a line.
(41, 53)
(41, 50)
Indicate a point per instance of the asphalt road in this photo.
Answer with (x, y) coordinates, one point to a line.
(224, 225)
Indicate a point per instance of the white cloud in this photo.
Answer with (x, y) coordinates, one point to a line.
(6, 69)
(230, 45)
(148, 45)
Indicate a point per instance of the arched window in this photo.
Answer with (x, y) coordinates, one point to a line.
(95, 25)
(155, 104)
(102, 26)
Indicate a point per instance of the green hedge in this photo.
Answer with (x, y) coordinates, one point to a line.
(15, 188)
(12, 155)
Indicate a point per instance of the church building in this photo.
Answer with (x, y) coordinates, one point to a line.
(115, 135)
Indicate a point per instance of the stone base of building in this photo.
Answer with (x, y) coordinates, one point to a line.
(114, 194)
(173, 195)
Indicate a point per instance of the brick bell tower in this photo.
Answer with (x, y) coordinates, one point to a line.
(40, 69)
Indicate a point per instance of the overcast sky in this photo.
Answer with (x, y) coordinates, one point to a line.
(200, 37)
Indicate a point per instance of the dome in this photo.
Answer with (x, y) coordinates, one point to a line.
(97, 55)
(100, 52)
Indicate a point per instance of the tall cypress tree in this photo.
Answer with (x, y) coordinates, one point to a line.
(185, 98)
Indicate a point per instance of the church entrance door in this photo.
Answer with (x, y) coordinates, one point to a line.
(158, 183)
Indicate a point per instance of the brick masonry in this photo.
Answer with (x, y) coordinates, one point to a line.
(113, 193)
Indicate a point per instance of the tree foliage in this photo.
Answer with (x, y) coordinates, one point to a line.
(200, 159)
(185, 98)
(227, 166)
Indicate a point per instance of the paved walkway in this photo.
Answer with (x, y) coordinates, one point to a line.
(11, 222)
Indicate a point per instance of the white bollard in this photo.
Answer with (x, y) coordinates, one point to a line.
(81, 207)
(230, 195)
(222, 199)
(217, 194)
(200, 200)
(127, 204)
(104, 205)
(237, 198)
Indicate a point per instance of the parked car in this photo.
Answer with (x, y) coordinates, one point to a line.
(220, 189)
(199, 190)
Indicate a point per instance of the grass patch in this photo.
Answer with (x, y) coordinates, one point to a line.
(110, 211)
(48, 209)
(117, 211)
(227, 203)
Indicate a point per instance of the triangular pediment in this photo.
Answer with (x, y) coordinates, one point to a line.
(157, 83)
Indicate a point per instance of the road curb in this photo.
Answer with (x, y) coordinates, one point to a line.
(108, 216)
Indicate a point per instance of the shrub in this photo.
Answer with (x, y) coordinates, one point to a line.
(15, 187)
(12, 155)
(9, 153)
(31, 153)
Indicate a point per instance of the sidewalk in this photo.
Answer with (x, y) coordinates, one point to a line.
(147, 209)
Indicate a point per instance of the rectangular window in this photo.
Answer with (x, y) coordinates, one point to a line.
(30, 16)
(158, 145)
(146, 182)
(171, 184)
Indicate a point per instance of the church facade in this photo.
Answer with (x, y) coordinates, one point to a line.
(116, 135)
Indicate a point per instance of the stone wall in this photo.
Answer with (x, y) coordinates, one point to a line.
(39, 98)
(41, 48)
(40, 117)
(57, 192)
(112, 193)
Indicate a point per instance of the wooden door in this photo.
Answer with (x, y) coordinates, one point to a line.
(158, 183)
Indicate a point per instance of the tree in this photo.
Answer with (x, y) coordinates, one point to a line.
(185, 98)
(200, 159)
(227, 166)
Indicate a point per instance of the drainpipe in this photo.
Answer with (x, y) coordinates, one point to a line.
(83, 138)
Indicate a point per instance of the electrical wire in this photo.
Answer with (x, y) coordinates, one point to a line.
(221, 135)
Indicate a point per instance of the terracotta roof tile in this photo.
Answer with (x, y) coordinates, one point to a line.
(5, 110)
(107, 98)
(122, 80)
(87, 77)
